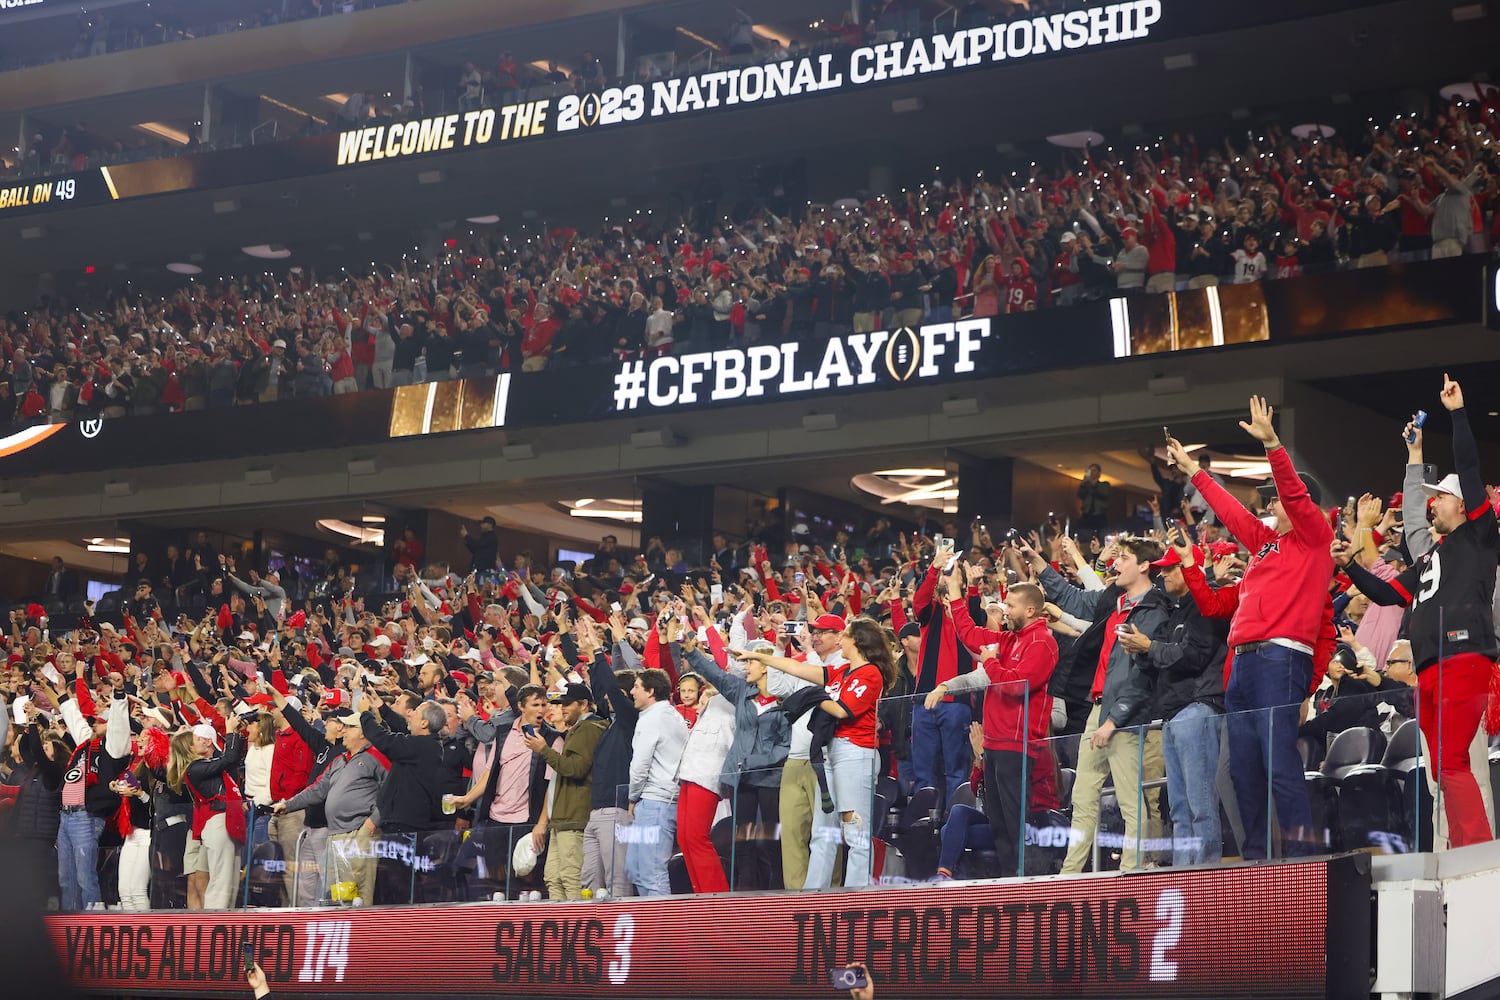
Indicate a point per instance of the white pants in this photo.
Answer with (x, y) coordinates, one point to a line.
(380, 374)
(135, 871)
(223, 865)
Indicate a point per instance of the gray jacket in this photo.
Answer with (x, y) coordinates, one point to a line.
(1127, 699)
(761, 739)
(347, 791)
(272, 594)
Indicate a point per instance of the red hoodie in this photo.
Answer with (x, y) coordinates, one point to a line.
(1017, 707)
(1285, 587)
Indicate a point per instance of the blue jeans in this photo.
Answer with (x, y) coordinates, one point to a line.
(940, 754)
(966, 829)
(852, 770)
(1265, 693)
(78, 859)
(1190, 744)
(652, 833)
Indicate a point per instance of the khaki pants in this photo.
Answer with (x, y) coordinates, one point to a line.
(285, 830)
(564, 865)
(1120, 760)
(1158, 828)
(1203, 280)
(1163, 281)
(799, 797)
(906, 317)
(1447, 248)
(1376, 259)
(862, 322)
(351, 858)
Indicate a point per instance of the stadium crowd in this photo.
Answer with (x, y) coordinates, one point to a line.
(589, 728)
(1178, 213)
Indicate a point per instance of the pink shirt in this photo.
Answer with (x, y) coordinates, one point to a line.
(512, 803)
(1380, 626)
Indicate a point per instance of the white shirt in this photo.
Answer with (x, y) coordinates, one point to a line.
(782, 684)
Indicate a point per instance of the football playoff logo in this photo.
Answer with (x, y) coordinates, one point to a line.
(903, 353)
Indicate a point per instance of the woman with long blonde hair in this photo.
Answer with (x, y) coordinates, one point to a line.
(207, 775)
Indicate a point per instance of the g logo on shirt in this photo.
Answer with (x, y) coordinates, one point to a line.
(74, 774)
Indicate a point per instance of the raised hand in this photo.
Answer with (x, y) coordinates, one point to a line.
(1452, 395)
(1260, 426)
(1178, 455)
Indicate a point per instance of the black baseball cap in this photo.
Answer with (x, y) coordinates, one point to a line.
(1267, 491)
(574, 692)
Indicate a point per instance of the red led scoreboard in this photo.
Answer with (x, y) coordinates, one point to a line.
(1272, 930)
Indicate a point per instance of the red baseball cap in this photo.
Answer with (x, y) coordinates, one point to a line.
(827, 623)
(1221, 549)
(1173, 559)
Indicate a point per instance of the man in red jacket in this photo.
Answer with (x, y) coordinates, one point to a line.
(1282, 601)
(1017, 707)
(291, 772)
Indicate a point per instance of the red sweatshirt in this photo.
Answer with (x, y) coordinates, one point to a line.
(1017, 707)
(1285, 589)
(1221, 603)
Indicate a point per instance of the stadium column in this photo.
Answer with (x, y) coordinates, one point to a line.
(409, 77)
(23, 144)
(1316, 427)
(985, 488)
(682, 516)
(622, 34)
(206, 130)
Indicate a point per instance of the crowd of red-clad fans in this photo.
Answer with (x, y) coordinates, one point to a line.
(767, 714)
(1179, 213)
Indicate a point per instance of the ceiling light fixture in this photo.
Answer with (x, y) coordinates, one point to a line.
(928, 488)
(358, 534)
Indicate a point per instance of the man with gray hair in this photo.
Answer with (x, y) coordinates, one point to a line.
(410, 799)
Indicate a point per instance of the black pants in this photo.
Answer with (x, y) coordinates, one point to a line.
(1005, 792)
(757, 852)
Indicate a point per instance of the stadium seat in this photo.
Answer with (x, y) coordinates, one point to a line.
(1066, 776)
(677, 876)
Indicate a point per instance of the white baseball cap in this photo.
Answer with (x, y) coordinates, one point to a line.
(204, 731)
(1448, 484)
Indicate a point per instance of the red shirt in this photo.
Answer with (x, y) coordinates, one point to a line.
(291, 764)
(858, 689)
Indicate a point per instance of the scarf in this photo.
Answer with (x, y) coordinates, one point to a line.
(154, 756)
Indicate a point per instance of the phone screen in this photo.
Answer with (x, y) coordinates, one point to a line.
(248, 950)
(529, 729)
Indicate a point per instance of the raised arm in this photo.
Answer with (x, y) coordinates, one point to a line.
(1243, 525)
(1465, 452)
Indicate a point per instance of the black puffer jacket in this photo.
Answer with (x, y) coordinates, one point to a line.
(38, 805)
